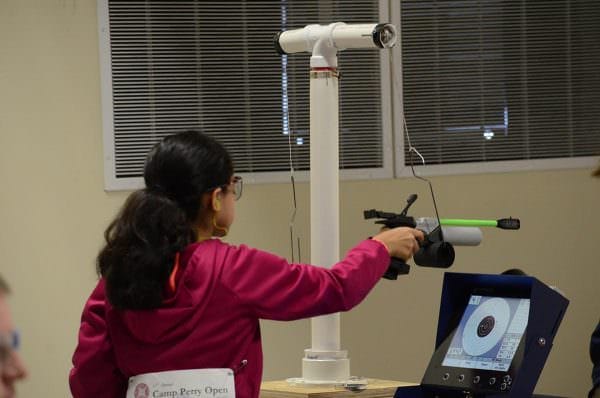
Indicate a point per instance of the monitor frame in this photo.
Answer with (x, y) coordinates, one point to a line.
(477, 381)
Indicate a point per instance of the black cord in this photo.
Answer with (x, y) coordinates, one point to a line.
(412, 168)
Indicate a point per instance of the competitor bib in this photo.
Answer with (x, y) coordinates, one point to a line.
(192, 383)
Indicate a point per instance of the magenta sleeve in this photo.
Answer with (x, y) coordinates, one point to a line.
(275, 289)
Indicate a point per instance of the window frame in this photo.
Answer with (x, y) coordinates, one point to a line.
(402, 170)
(112, 183)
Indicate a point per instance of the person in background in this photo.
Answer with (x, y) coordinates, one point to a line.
(595, 345)
(12, 368)
(173, 299)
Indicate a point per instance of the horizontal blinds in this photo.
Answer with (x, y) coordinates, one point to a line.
(211, 65)
(489, 80)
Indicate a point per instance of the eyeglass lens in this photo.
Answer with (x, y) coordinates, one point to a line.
(237, 187)
(8, 342)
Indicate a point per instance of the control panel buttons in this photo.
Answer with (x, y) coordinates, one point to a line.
(461, 378)
(503, 386)
(492, 381)
(476, 380)
(446, 376)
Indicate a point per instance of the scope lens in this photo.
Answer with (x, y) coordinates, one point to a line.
(385, 35)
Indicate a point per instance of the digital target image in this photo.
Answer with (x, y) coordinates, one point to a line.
(489, 333)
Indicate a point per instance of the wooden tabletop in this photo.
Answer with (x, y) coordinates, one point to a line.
(375, 389)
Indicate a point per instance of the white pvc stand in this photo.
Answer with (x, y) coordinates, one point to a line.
(324, 362)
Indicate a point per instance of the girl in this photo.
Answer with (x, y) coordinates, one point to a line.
(173, 297)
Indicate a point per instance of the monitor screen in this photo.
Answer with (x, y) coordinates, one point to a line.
(488, 334)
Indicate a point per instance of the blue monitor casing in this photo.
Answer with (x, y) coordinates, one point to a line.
(494, 335)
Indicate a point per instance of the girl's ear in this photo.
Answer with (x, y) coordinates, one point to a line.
(215, 199)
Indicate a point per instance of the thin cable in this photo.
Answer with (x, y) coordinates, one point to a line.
(288, 131)
(294, 211)
(412, 149)
(292, 242)
(294, 201)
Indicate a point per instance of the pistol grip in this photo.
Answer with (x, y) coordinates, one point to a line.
(396, 267)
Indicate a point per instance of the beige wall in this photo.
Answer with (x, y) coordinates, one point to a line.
(53, 210)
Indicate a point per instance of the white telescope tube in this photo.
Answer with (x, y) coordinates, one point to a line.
(338, 35)
(326, 40)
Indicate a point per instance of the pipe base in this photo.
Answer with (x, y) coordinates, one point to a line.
(325, 367)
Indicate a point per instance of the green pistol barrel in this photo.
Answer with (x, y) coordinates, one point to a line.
(458, 222)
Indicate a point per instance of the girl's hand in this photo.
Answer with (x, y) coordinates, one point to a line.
(401, 242)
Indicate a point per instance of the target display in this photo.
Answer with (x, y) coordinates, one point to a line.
(489, 333)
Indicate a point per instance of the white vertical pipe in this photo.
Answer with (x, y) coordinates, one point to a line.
(324, 193)
(324, 362)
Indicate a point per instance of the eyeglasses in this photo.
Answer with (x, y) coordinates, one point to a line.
(8, 342)
(237, 183)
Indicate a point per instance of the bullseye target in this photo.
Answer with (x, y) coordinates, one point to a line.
(486, 326)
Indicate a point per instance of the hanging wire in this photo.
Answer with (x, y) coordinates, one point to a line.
(292, 179)
(288, 131)
(294, 202)
(412, 149)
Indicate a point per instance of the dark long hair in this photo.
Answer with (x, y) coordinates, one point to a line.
(156, 222)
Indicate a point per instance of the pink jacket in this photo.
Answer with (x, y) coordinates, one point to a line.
(212, 319)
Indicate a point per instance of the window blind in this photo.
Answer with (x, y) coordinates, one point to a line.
(211, 65)
(491, 80)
